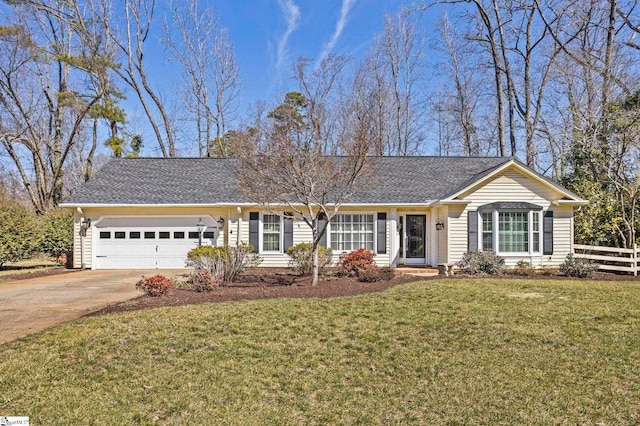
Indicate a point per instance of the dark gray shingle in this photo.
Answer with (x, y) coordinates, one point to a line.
(399, 180)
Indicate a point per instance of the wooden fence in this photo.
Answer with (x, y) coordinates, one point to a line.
(610, 258)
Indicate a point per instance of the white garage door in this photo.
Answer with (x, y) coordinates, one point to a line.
(147, 244)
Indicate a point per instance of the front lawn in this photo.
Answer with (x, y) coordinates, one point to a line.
(443, 351)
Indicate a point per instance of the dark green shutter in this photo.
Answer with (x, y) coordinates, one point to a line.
(288, 231)
(382, 233)
(472, 230)
(254, 225)
(547, 226)
(322, 222)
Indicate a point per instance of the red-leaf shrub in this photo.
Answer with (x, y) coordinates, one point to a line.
(203, 280)
(357, 261)
(158, 285)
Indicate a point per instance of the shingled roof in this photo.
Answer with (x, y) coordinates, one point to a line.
(189, 181)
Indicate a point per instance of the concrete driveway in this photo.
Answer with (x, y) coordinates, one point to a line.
(31, 305)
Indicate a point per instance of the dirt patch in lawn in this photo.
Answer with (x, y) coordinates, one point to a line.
(263, 283)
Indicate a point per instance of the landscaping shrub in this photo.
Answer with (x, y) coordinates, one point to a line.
(157, 285)
(20, 231)
(376, 274)
(578, 267)
(355, 262)
(202, 280)
(57, 229)
(302, 258)
(481, 263)
(224, 263)
(524, 268)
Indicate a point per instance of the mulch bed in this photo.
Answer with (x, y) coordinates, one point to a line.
(265, 283)
(35, 274)
(271, 283)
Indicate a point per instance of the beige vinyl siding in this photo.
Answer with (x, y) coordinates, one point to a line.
(443, 236)
(511, 185)
(77, 244)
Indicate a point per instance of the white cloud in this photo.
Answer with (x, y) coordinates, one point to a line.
(342, 21)
(292, 14)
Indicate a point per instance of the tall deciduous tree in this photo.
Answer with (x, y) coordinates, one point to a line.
(54, 70)
(210, 73)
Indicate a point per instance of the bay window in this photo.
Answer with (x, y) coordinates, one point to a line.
(510, 230)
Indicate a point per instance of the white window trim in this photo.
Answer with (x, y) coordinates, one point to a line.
(496, 232)
(261, 234)
(375, 230)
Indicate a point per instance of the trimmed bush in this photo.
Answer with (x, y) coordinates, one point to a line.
(376, 274)
(155, 286)
(578, 267)
(481, 263)
(524, 268)
(355, 262)
(224, 263)
(302, 258)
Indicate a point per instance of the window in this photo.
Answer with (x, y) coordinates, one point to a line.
(536, 232)
(270, 232)
(193, 235)
(351, 232)
(149, 235)
(164, 235)
(134, 235)
(105, 235)
(208, 234)
(178, 235)
(487, 231)
(119, 235)
(513, 232)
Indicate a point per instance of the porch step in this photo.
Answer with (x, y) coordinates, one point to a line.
(415, 270)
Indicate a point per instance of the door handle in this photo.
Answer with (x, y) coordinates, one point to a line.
(156, 249)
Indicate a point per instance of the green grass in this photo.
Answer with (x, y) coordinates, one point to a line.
(437, 352)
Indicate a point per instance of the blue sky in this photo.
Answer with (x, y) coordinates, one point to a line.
(269, 35)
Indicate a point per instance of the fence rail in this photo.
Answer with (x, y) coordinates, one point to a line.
(610, 258)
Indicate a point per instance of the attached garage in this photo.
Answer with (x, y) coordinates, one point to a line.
(148, 243)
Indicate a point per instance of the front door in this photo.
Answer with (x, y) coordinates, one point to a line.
(415, 247)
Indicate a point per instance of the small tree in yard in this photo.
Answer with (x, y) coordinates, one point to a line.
(290, 163)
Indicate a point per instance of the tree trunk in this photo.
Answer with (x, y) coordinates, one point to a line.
(316, 269)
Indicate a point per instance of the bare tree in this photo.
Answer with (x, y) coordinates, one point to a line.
(209, 71)
(285, 167)
(54, 69)
(130, 34)
(397, 62)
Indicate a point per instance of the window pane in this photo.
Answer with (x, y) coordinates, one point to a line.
(119, 235)
(208, 234)
(134, 235)
(487, 231)
(105, 234)
(513, 232)
(351, 232)
(536, 232)
(164, 235)
(193, 235)
(149, 235)
(178, 235)
(270, 232)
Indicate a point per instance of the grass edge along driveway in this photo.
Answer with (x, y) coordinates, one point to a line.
(446, 351)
